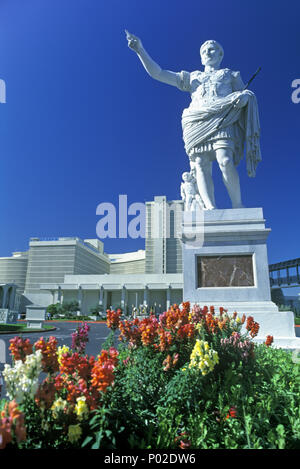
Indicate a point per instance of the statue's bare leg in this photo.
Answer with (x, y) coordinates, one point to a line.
(230, 176)
(204, 179)
(190, 199)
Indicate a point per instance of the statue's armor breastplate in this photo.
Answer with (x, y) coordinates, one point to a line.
(207, 87)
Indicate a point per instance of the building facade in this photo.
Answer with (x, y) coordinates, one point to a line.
(13, 270)
(163, 245)
(68, 268)
(50, 260)
(128, 263)
(119, 290)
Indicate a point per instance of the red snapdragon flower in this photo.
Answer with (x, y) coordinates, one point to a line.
(269, 340)
(183, 440)
(252, 326)
(80, 338)
(46, 393)
(20, 348)
(48, 348)
(232, 413)
(102, 373)
(11, 424)
(113, 319)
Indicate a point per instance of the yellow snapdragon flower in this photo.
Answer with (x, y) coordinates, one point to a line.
(81, 408)
(58, 406)
(61, 351)
(203, 357)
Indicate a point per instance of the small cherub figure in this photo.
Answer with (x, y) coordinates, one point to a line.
(189, 192)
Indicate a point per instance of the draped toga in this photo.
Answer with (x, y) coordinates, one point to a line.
(213, 94)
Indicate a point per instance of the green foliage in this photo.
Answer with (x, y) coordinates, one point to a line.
(42, 430)
(54, 309)
(97, 309)
(67, 308)
(151, 408)
(70, 307)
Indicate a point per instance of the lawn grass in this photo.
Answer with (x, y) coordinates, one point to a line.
(8, 328)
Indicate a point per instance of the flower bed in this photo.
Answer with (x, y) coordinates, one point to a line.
(188, 379)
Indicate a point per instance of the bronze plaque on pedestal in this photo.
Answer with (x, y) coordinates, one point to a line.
(225, 271)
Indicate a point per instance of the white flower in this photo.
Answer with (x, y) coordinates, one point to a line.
(22, 379)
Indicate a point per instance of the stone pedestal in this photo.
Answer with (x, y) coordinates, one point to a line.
(35, 316)
(225, 263)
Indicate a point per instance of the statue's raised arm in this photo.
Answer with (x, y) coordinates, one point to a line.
(151, 67)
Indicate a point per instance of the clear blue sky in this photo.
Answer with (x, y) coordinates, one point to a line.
(84, 123)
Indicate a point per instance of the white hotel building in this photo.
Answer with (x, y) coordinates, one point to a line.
(65, 269)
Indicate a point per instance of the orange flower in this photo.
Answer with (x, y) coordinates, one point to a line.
(269, 340)
(232, 413)
(75, 363)
(167, 363)
(148, 328)
(49, 352)
(46, 393)
(113, 318)
(211, 323)
(5, 432)
(20, 348)
(103, 370)
(185, 444)
(252, 326)
(175, 359)
(165, 339)
(183, 439)
(186, 306)
(186, 332)
(130, 332)
(11, 424)
(222, 310)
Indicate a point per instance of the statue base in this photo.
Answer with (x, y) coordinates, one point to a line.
(225, 263)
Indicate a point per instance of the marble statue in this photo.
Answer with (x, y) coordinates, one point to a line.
(189, 192)
(220, 123)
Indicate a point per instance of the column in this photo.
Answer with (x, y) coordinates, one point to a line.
(104, 301)
(59, 295)
(79, 297)
(4, 299)
(123, 298)
(146, 297)
(12, 298)
(53, 296)
(168, 297)
(101, 295)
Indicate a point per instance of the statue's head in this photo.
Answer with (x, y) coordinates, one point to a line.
(186, 177)
(211, 53)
